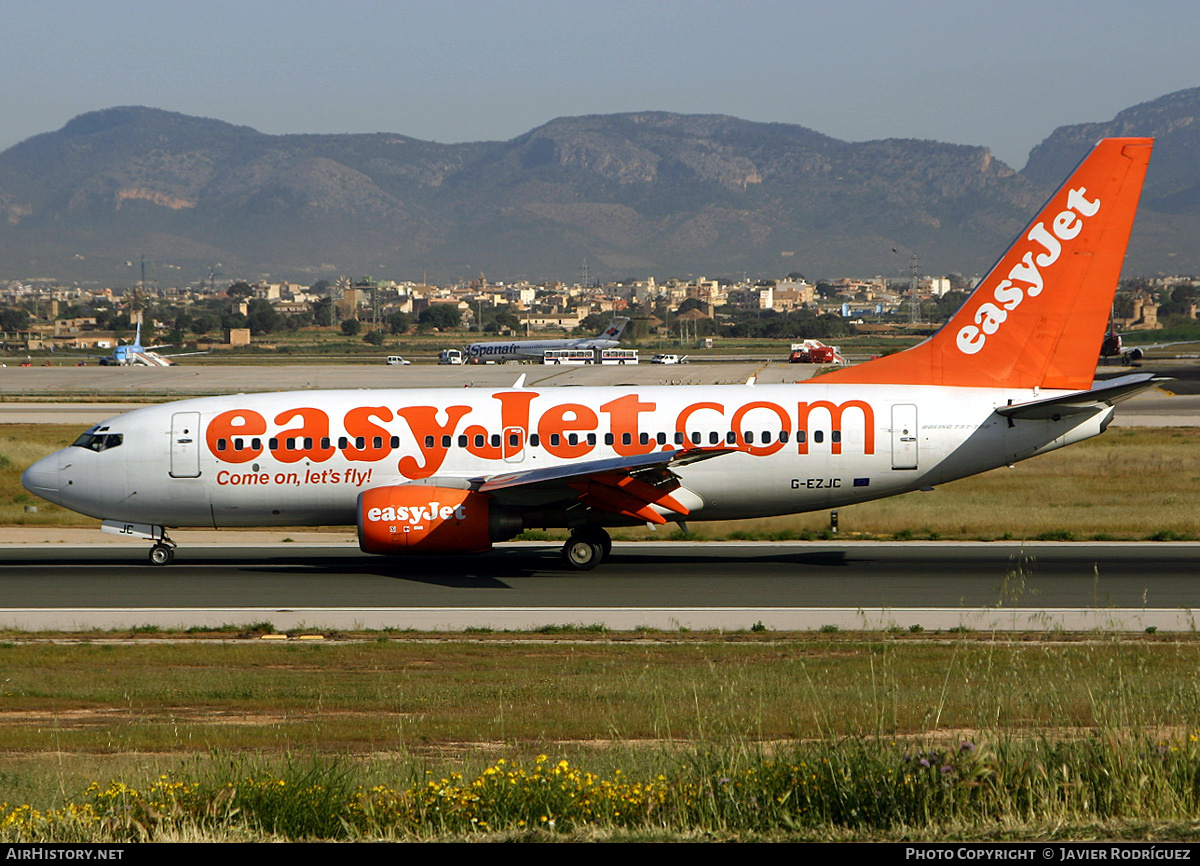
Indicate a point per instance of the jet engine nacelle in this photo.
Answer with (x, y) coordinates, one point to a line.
(414, 518)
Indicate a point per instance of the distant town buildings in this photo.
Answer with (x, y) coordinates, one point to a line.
(43, 312)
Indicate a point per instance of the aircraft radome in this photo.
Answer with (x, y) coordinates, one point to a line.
(455, 470)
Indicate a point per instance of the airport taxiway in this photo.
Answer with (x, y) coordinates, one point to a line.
(87, 395)
(794, 585)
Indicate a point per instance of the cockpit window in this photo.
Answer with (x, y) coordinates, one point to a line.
(94, 440)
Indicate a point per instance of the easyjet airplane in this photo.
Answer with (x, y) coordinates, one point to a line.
(455, 470)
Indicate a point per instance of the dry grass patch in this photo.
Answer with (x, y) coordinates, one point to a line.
(22, 445)
(1130, 483)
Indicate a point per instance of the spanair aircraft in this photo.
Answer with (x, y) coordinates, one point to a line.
(535, 350)
(455, 470)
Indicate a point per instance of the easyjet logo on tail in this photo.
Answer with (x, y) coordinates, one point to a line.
(1026, 278)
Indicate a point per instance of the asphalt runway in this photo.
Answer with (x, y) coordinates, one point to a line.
(729, 585)
(101, 384)
(1178, 404)
(180, 381)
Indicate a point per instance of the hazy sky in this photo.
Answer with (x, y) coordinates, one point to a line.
(1001, 74)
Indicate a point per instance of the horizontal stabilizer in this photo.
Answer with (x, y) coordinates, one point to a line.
(1107, 393)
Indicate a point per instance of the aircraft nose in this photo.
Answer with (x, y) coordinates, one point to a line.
(42, 478)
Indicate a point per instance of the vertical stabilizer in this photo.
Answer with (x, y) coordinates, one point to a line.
(615, 329)
(1038, 318)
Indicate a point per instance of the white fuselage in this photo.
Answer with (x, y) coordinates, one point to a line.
(295, 458)
(532, 350)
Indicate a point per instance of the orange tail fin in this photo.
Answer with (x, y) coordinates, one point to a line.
(1037, 319)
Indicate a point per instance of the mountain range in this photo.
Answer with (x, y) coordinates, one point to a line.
(632, 195)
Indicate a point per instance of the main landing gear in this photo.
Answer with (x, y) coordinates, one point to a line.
(587, 547)
(163, 552)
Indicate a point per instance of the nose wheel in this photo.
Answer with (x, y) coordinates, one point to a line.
(163, 552)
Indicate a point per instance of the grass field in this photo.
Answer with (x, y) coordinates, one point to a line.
(697, 736)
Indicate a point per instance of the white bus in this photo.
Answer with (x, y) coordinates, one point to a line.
(618, 356)
(577, 357)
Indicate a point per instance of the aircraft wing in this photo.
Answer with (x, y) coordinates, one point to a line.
(627, 486)
(1145, 347)
(167, 346)
(1107, 393)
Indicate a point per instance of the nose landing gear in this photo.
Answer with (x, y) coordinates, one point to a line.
(163, 552)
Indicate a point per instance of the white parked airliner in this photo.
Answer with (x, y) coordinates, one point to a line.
(535, 350)
(455, 470)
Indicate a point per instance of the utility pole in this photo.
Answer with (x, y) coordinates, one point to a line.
(914, 300)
